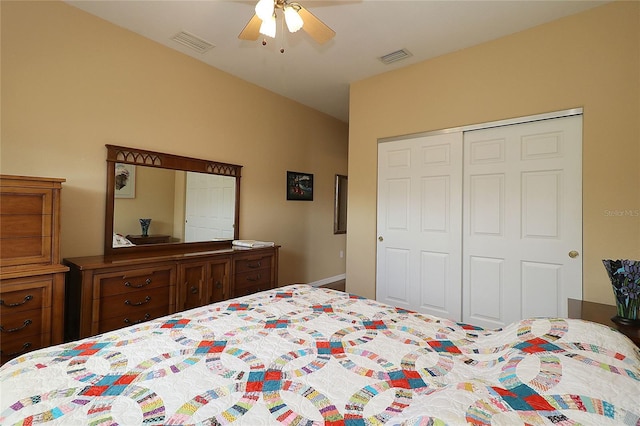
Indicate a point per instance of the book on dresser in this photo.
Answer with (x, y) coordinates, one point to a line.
(32, 279)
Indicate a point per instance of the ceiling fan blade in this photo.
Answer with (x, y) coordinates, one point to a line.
(251, 31)
(317, 29)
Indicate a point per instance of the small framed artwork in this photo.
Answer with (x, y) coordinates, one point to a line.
(125, 181)
(299, 186)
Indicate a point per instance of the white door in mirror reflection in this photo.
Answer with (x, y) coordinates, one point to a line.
(210, 207)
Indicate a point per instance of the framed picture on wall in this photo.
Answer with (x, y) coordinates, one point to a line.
(299, 186)
(125, 181)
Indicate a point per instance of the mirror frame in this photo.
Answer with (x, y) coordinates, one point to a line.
(340, 205)
(141, 157)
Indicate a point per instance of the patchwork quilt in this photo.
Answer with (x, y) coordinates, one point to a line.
(300, 355)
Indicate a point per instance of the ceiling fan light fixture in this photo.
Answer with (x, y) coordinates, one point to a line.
(268, 26)
(296, 16)
(292, 18)
(265, 9)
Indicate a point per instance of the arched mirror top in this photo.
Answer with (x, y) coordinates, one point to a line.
(193, 204)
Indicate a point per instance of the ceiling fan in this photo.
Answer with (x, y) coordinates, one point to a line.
(296, 17)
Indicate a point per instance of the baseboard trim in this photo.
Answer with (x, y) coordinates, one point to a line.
(328, 280)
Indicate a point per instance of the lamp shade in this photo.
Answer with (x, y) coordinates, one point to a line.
(293, 19)
(264, 9)
(268, 26)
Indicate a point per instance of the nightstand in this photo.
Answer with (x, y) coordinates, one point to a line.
(602, 314)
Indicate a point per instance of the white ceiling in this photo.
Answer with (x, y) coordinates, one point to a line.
(319, 75)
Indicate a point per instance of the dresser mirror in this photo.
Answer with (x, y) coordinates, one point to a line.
(164, 202)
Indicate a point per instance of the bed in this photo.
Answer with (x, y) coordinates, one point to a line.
(300, 355)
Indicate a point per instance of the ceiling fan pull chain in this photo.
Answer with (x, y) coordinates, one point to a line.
(282, 35)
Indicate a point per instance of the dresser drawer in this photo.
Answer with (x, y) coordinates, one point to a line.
(23, 226)
(252, 263)
(33, 297)
(132, 317)
(150, 279)
(245, 291)
(14, 347)
(24, 321)
(252, 273)
(131, 296)
(260, 278)
(30, 313)
(132, 302)
(20, 324)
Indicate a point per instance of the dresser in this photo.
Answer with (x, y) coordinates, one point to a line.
(107, 293)
(32, 279)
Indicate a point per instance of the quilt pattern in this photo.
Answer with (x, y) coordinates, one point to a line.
(300, 355)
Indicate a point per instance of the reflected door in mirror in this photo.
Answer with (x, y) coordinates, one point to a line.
(210, 207)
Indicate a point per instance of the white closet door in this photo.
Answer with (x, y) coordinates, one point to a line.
(522, 219)
(420, 223)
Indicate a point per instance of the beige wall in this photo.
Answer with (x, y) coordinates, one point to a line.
(590, 60)
(72, 83)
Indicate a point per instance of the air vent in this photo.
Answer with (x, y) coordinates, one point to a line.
(398, 55)
(192, 41)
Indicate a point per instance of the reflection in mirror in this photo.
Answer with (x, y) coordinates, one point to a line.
(189, 201)
(340, 206)
(183, 206)
(155, 195)
(210, 205)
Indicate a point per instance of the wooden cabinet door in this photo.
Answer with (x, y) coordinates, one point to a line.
(202, 283)
(27, 226)
(191, 285)
(218, 288)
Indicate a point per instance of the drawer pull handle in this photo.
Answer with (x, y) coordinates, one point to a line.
(26, 323)
(218, 284)
(13, 305)
(128, 321)
(256, 278)
(130, 303)
(144, 284)
(254, 265)
(194, 290)
(25, 348)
